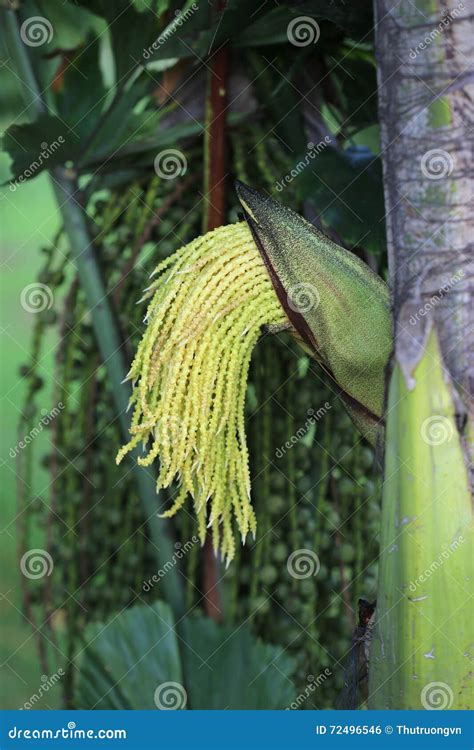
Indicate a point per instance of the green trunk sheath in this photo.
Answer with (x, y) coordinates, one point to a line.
(420, 654)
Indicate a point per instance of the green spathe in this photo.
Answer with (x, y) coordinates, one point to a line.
(337, 304)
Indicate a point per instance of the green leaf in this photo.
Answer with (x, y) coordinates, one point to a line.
(130, 31)
(120, 125)
(131, 661)
(80, 99)
(139, 154)
(128, 658)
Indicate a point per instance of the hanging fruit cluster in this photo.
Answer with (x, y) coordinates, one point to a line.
(94, 528)
(315, 492)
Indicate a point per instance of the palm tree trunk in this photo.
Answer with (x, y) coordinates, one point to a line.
(426, 107)
(420, 650)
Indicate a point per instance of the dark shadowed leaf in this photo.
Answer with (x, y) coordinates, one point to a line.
(130, 31)
(133, 656)
(346, 189)
(356, 84)
(278, 95)
(81, 95)
(228, 668)
(272, 26)
(128, 658)
(39, 145)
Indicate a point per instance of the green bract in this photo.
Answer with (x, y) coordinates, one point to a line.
(338, 306)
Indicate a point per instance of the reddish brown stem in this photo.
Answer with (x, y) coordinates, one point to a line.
(216, 141)
(212, 599)
(214, 216)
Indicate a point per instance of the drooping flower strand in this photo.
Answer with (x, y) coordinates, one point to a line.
(207, 307)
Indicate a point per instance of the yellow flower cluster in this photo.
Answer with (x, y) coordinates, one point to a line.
(189, 375)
